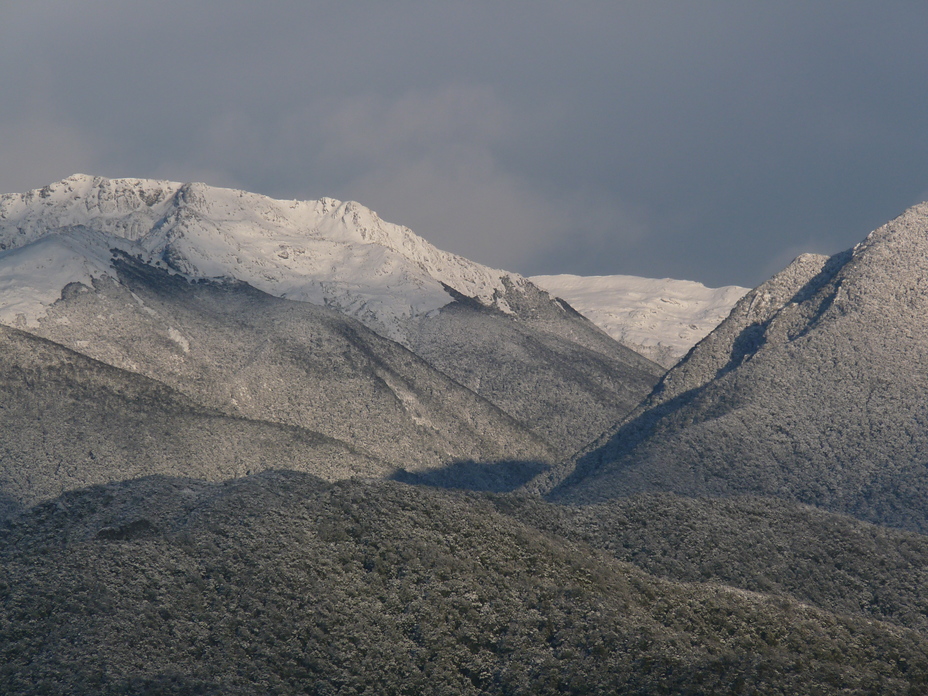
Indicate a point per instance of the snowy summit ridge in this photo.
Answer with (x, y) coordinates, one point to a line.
(326, 252)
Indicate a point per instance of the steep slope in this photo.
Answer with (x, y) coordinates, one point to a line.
(458, 315)
(68, 421)
(660, 319)
(557, 373)
(231, 347)
(279, 583)
(812, 391)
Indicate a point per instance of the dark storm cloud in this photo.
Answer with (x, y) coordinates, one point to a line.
(711, 141)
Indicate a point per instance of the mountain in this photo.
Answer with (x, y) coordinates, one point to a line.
(281, 583)
(660, 319)
(228, 346)
(194, 465)
(491, 331)
(68, 421)
(557, 373)
(325, 252)
(812, 390)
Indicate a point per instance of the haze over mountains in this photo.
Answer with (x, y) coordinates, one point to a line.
(163, 346)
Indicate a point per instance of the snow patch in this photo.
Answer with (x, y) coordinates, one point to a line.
(179, 339)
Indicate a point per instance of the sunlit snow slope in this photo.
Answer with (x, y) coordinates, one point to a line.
(661, 319)
(326, 252)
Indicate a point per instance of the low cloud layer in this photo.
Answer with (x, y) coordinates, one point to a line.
(708, 141)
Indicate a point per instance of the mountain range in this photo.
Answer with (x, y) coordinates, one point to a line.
(303, 314)
(230, 427)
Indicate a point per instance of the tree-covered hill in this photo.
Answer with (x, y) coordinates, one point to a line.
(282, 583)
(766, 545)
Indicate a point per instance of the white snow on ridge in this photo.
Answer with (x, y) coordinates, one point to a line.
(326, 252)
(33, 276)
(661, 319)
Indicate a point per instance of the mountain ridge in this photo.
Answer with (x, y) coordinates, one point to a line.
(326, 254)
(810, 391)
(277, 246)
(281, 582)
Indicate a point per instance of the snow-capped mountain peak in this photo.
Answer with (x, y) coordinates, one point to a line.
(325, 251)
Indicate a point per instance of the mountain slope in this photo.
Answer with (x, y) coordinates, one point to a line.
(230, 347)
(830, 561)
(281, 583)
(660, 319)
(557, 373)
(494, 332)
(812, 391)
(68, 421)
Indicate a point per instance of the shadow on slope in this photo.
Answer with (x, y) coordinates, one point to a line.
(554, 481)
(9, 505)
(494, 477)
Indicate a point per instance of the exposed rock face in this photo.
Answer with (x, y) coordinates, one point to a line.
(812, 390)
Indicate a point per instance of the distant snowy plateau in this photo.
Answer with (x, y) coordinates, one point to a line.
(661, 319)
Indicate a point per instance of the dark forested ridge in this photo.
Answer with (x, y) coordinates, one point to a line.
(281, 583)
(765, 545)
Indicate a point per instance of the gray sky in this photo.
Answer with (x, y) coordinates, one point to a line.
(711, 141)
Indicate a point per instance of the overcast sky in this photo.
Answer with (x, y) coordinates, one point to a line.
(712, 141)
